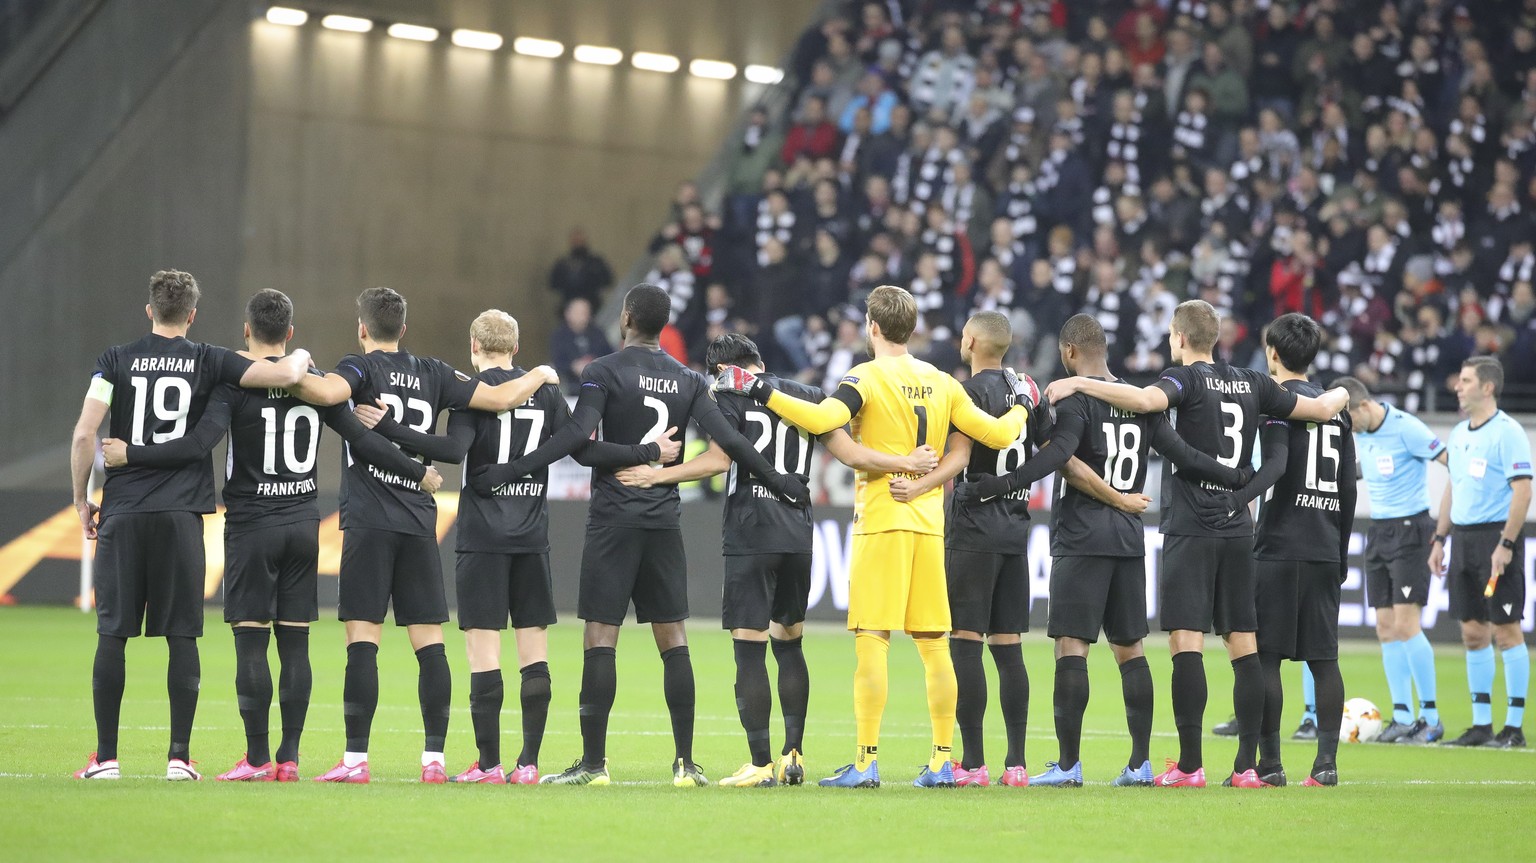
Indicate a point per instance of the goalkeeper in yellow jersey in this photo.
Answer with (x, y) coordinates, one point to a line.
(896, 574)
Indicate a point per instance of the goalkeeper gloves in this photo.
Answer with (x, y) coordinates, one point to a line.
(735, 379)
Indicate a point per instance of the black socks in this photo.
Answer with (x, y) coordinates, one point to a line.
(1136, 690)
(677, 685)
(1274, 710)
(1069, 701)
(794, 690)
(434, 689)
(1330, 709)
(183, 676)
(360, 693)
(107, 676)
(294, 683)
(534, 697)
(485, 697)
(754, 701)
(1013, 695)
(971, 703)
(253, 690)
(1189, 696)
(598, 682)
(1248, 704)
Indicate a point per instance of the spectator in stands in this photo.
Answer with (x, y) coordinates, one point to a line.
(874, 96)
(576, 343)
(671, 274)
(580, 273)
(759, 147)
(812, 136)
(944, 77)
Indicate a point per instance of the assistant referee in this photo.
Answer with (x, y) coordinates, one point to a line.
(1484, 509)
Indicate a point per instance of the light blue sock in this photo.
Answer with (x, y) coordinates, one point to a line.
(1421, 658)
(1308, 695)
(1480, 682)
(1517, 679)
(1394, 658)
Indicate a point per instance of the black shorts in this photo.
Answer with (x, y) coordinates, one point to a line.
(620, 564)
(1207, 584)
(1397, 561)
(988, 593)
(1093, 593)
(1471, 551)
(269, 573)
(1298, 608)
(493, 587)
(150, 570)
(378, 566)
(763, 588)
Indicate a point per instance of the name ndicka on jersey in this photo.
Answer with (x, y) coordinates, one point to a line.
(658, 385)
(179, 365)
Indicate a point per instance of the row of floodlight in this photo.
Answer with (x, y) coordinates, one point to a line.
(599, 55)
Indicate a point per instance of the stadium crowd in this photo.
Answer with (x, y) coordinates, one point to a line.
(1372, 164)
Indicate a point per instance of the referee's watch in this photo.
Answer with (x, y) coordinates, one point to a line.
(1438, 540)
(1507, 543)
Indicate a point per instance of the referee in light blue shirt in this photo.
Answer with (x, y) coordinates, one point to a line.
(1394, 450)
(1486, 501)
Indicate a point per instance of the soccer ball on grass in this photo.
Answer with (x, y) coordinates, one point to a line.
(1362, 722)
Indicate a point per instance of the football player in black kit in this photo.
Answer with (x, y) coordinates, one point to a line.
(1207, 569)
(149, 528)
(389, 525)
(1098, 580)
(767, 550)
(271, 526)
(634, 548)
(1301, 548)
(502, 569)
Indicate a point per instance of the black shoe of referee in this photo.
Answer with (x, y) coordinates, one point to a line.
(1509, 737)
(1477, 735)
(1226, 729)
(1307, 730)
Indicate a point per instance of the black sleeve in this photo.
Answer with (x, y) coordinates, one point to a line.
(456, 388)
(571, 436)
(1349, 490)
(354, 371)
(436, 447)
(1191, 462)
(1175, 384)
(1274, 400)
(1066, 434)
(1276, 436)
(189, 448)
(370, 447)
(228, 367)
(850, 397)
(597, 454)
(707, 414)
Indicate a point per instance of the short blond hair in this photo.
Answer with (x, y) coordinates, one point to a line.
(496, 331)
(895, 311)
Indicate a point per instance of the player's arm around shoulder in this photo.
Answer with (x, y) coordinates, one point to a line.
(1142, 400)
(990, 431)
(710, 463)
(509, 394)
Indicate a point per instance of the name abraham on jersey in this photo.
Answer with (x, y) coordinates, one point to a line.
(285, 489)
(658, 385)
(179, 365)
(1230, 388)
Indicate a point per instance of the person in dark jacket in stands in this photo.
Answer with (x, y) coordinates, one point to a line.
(576, 343)
(581, 273)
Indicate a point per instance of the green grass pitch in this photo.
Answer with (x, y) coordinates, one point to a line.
(1428, 803)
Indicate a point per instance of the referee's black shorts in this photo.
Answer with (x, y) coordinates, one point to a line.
(150, 569)
(1397, 560)
(1298, 609)
(1207, 584)
(380, 566)
(1093, 593)
(1470, 569)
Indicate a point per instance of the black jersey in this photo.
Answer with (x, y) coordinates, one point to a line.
(1115, 444)
(1001, 525)
(158, 388)
(756, 520)
(514, 519)
(1303, 518)
(640, 392)
(1217, 409)
(414, 390)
